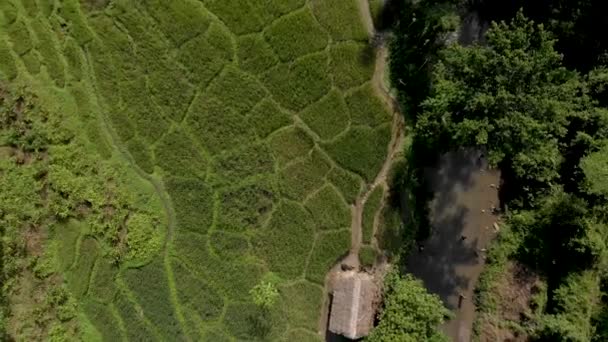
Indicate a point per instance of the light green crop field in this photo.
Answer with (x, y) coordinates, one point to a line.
(241, 131)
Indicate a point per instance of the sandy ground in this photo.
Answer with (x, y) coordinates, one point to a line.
(464, 193)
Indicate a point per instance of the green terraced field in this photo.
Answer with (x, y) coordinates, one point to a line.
(251, 127)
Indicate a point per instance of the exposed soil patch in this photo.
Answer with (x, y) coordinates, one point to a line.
(462, 225)
(513, 293)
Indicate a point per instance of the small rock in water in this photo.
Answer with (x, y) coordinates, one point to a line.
(496, 227)
(483, 210)
(492, 185)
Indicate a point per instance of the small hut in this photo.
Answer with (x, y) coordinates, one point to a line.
(352, 308)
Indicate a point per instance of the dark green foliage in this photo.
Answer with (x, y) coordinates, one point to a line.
(250, 323)
(594, 167)
(74, 58)
(170, 90)
(328, 117)
(341, 18)
(266, 117)
(228, 246)
(348, 183)
(21, 37)
(302, 302)
(135, 326)
(237, 89)
(367, 256)
(49, 52)
(7, 62)
(352, 64)
(104, 320)
(366, 108)
(295, 35)
(79, 275)
(31, 62)
(329, 248)
(151, 289)
(242, 163)
(141, 154)
(302, 177)
(9, 11)
(361, 149)
(409, 312)
(328, 209)
(372, 205)
(286, 242)
(297, 84)
(195, 294)
(237, 15)
(77, 27)
(392, 235)
(255, 55)
(216, 335)
(192, 202)
(290, 143)
(178, 155)
(269, 10)
(245, 207)
(180, 20)
(122, 125)
(67, 235)
(205, 55)
(102, 286)
(145, 116)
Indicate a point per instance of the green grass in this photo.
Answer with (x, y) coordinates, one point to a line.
(269, 10)
(177, 155)
(196, 294)
(180, 20)
(216, 335)
(341, 19)
(298, 84)
(366, 108)
(246, 207)
(136, 327)
(290, 143)
(367, 256)
(67, 235)
(77, 26)
(102, 286)
(74, 59)
(104, 320)
(329, 247)
(49, 52)
(7, 62)
(240, 164)
(79, 275)
(228, 246)
(267, 117)
(295, 35)
(352, 64)
(302, 303)
(301, 335)
(328, 209)
(171, 91)
(237, 15)
(192, 203)
(151, 289)
(247, 322)
(20, 37)
(31, 60)
(328, 117)
(348, 183)
(361, 150)
(141, 154)
(302, 177)
(372, 205)
(254, 54)
(286, 242)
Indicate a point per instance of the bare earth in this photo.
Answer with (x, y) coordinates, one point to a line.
(464, 194)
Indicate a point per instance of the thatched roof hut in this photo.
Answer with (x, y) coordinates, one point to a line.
(352, 308)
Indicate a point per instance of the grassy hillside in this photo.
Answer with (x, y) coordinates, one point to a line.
(213, 144)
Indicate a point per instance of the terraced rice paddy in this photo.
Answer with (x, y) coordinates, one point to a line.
(255, 128)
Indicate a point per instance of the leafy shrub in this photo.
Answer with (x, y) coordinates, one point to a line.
(367, 255)
(366, 108)
(297, 84)
(329, 248)
(49, 53)
(269, 10)
(196, 294)
(229, 246)
(247, 321)
(328, 209)
(144, 237)
(192, 202)
(237, 89)
(302, 302)
(7, 62)
(361, 149)
(348, 183)
(392, 235)
(9, 11)
(32, 62)
(372, 205)
(302, 177)
(327, 117)
(290, 143)
(216, 335)
(341, 19)
(67, 235)
(104, 320)
(352, 64)
(267, 117)
(237, 15)
(191, 248)
(254, 53)
(77, 27)
(286, 242)
(74, 58)
(245, 207)
(80, 273)
(243, 163)
(205, 55)
(171, 90)
(141, 154)
(102, 286)
(176, 153)
(295, 35)
(21, 37)
(180, 20)
(151, 288)
(134, 322)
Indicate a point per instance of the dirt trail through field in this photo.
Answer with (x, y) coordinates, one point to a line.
(397, 137)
